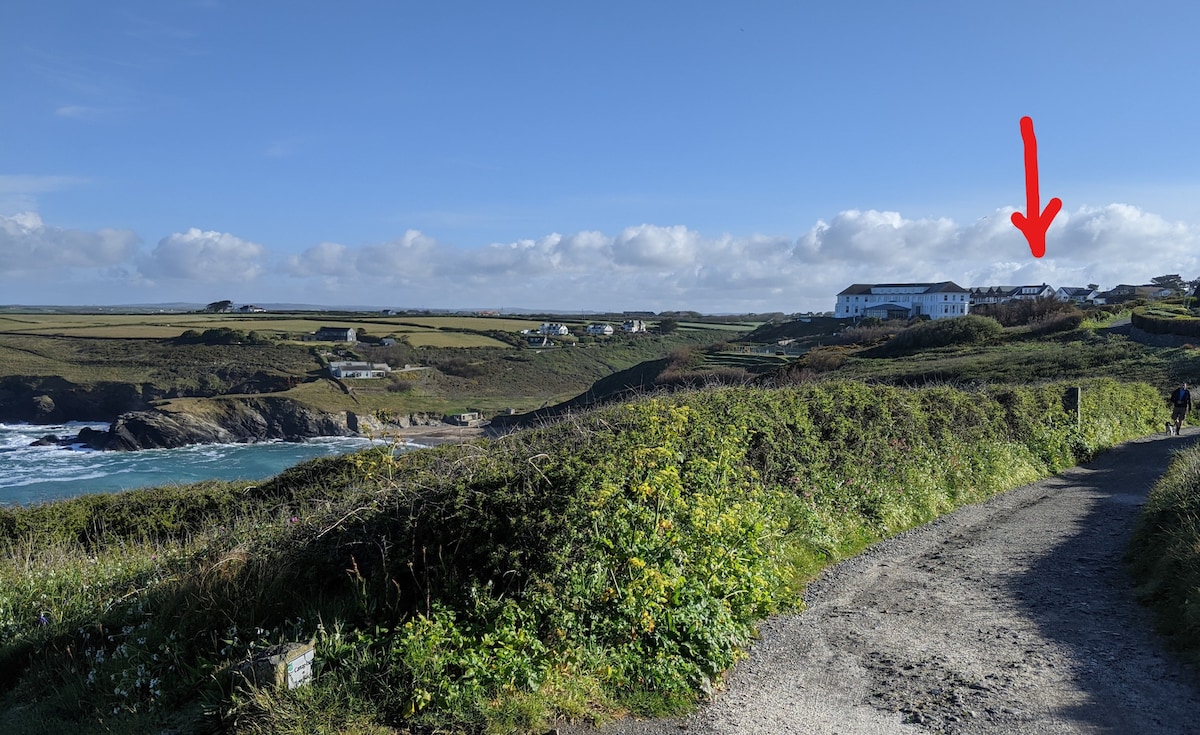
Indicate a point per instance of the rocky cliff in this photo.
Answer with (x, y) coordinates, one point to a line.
(224, 420)
(51, 399)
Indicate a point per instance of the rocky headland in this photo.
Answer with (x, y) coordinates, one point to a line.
(234, 421)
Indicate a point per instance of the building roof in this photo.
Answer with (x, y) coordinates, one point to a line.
(939, 287)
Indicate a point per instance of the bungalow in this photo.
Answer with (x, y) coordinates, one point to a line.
(359, 370)
(553, 328)
(600, 329)
(902, 300)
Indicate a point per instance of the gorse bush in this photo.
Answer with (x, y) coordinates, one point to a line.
(963, 330)
(617, 559)
(1021, 312)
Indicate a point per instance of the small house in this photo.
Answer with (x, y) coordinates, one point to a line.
(336, 334)
(359, 370)
(603, 330)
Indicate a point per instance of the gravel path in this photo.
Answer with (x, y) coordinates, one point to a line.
(1013, 616)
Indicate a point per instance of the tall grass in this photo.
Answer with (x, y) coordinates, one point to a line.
(1164, 553)
(615, 561)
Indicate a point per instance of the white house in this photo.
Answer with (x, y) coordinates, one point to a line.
(600, 329)
(1077, 294)
(553, 328)
(633, 326)
(349, 369)
(903, 300)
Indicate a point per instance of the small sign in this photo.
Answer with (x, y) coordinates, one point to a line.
(299, 669)
(289, 666)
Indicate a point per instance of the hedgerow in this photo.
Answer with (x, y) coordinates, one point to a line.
(1164, 552)
(617, 560)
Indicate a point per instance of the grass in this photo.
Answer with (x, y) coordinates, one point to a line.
(613, 562)
(453, 339)
(1164, 553)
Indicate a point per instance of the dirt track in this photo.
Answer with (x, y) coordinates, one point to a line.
(1014, 616)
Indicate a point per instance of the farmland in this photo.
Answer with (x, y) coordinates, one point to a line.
(475, 362)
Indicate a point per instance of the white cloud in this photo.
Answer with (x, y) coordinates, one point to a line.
(29, 245)
(204, 256)
(653, 246)
(670, 267)
(643, 267)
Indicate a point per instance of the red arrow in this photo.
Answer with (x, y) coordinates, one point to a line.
(1037, 221)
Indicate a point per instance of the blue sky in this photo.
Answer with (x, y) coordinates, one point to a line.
(755, 156)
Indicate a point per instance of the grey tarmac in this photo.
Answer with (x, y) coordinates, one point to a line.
(1011, 616)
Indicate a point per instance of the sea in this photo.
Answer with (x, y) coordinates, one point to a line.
(37, 474)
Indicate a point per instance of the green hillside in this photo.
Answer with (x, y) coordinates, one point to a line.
(614, 562)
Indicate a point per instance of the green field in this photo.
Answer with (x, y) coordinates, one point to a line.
(140, 326)
(471, 364)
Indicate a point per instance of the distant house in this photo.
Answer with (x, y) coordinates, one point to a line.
(633, 326)
(1077, 294)
(359, 370)
(1032, 293)
(981, 295)
(388, 342)
(1126, 292)
(941, 300)
(539, 340)
(336, 334)
(1000, 294)
(554, 328)
(600, 329)
(251, 309)
(467, 418)
(387, 312)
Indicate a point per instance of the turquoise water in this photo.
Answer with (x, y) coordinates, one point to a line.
(35, 474)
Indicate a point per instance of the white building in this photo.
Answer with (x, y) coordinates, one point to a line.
(359, 369)
(1078, 294)
(633, 326)
(552, 328)
(903, 300)
(600, 329)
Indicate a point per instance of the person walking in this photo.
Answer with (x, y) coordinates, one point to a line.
(1181, 405)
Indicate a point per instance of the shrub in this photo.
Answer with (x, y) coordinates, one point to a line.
(1021, 312)
(1059, 321)
(823, 359)
(1164, 551)
(461, 367)
(1160, 323)
(963, 330)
